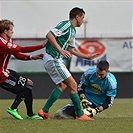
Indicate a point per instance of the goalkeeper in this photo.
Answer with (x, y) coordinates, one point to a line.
(97, 89)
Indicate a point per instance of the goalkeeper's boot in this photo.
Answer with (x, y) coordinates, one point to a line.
(34, 117)
(83, 117)
(44, 115)
(14, 113)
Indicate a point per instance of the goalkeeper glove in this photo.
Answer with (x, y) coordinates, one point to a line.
(97, 110)
(84, 102)
(90, 112)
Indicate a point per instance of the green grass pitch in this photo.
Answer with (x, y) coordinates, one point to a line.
(117, 119)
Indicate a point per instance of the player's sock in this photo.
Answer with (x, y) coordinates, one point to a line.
(16, 102)
(52, 98)
(28, 102)
(76, 101)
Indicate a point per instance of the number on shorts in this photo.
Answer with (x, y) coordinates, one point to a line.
(22, 80)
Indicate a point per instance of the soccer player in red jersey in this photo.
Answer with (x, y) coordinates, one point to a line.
(11, 80)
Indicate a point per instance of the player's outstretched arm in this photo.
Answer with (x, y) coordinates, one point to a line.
(10, 48)
(77, 53)
(21, 56)
(36, 57)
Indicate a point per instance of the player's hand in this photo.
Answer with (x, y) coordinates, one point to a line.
(36, 57)
(65, 53)
(84, 102)
(91, 57)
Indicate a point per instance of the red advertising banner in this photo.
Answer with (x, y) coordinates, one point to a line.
(118, 52)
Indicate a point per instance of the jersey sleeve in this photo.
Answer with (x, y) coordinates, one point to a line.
(112, 89)
(21, 56)
(71, 43)
(67, 31)
(111, 92)
(61, 28)
(83, 79)
(9, 47)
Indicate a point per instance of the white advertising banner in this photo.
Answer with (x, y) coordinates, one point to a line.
(118, 52)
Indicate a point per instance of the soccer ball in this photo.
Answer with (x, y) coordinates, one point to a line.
(90, 112)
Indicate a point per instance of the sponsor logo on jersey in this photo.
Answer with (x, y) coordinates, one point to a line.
(57, 32)
(96, 88)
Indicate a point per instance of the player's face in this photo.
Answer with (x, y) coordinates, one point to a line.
(80, 20)
(9, 32)
(101, 74)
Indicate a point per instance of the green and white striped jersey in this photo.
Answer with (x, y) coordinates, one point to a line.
(64, 33)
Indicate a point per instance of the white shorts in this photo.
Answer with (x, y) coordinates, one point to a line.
(56, 69)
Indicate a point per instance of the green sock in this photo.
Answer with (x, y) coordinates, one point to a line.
(52, 98)
(76, 101)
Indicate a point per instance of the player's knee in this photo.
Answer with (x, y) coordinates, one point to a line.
(72, 83)
(61, 114)
(58, 114)
(62, 86)
(29, 83)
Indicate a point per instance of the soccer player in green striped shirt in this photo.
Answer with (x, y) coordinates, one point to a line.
(61, 43)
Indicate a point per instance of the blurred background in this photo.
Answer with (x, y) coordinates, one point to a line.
(107, 29)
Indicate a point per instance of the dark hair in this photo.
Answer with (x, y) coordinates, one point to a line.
(76, 11)
(103, 65)
(5, 25)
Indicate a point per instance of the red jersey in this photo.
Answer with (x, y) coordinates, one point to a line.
(8, 48)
